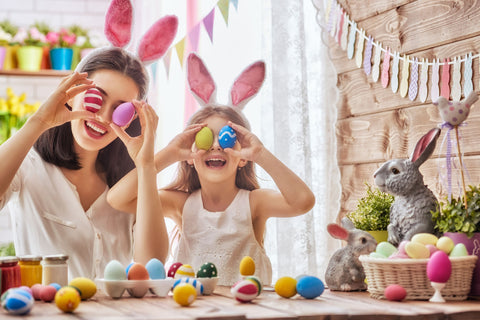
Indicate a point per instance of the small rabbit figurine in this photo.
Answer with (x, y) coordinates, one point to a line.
(410, 212)
(345, 271)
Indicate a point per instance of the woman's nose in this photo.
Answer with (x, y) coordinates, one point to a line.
(105, 114)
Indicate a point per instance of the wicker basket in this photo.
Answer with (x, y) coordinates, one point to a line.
(412, 275)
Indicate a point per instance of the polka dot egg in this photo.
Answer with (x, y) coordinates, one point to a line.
(195, 283)
(173, 269)
(207, 270)
(185, 270)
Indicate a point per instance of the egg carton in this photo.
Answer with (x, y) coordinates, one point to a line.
(136, 288)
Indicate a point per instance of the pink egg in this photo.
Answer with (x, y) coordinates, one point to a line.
(244, 290)
(92, 100)
(123, 114)
(401, 247)
(395, 292)
(431, 248)
(47, 293)
(439, 267)
(36, 288)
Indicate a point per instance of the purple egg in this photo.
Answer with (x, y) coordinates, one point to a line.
(123, 114)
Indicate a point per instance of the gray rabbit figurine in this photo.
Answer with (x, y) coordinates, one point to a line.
(345, 271)
(410, 212)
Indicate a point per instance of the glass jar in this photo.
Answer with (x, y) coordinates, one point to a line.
(10, 271)
(55, 269)
(30, 269)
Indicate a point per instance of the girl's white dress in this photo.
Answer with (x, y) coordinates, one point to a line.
(222, 238)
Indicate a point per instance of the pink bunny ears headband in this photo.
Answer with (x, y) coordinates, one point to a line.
(244, 88)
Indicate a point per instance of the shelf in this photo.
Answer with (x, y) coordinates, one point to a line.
(41, 73)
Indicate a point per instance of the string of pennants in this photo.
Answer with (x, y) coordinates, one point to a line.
(193, 35)
(412, 77)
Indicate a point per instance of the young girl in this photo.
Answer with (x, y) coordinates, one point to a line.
(215, 200)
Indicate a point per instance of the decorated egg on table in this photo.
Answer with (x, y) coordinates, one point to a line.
(184, 294)
(256, 280)
(123, 114)
(85, 286)
(439, 267)
(155, 269)
(173, 269)
(92, 101)
(395, 292)
(207, 270)
(310, 287)
(114, 271)
(185, 271)
(204, 138)
(244, 291)
(3, 298)
(194, 282)
(36, 290)
(137, 272)
(56, 285)
(67, 299)
(286, 287)
(247, 266)
(18, 301)
(227, 137)
(459, 250)
(445, 244)
(47, 293)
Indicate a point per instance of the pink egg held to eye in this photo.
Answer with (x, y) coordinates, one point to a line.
(92, 100)
(123, 114)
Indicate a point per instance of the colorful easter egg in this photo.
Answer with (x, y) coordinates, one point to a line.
(36, 290)
(459, 250)
(3, 298)
(114, 271)
(92, 101)
(256, 280)
(244, 291)
(439, 267)
(173, 269)
(155, 269)
(247, 266)
(137, 272)
(128, 267)
(67, 299)
(395, 292)
(194, 282)
(286, 287)
(227, 137)
(85, 286)
(310, 287)
(445, 244)
(386, 249)
(204, 138)
(18, 301)
(185, 271)
(431, 248)
(47, 293)
(377, 255)
(184, 294)
(26, 288)
(416, 250)
(56, 285)
(425, 238)
(207, 270)
(123, 114)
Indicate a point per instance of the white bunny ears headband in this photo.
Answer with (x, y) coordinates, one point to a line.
(244, 88)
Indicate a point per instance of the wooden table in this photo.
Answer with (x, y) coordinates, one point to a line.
(221, 305)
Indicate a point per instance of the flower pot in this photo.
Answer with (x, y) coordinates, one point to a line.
(473, 247)
(61, 58)
(10, 61)
(3, 52)
(380, 236)
(29, 58)
(46, 58)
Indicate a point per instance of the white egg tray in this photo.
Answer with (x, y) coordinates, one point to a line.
(136, 288)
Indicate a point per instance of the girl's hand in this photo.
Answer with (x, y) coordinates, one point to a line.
(183, 142)
(141, 148)
(252, 147)
(53, 111)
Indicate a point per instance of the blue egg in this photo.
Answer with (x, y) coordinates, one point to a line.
(18, 301)
(155, 269)
(128, 267)
(310, 287)
(227, 137)
(55, 285)
(194, 282)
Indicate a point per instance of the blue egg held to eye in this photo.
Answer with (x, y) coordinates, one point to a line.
(227, 137)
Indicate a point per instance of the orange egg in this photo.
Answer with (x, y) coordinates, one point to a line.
(138, 272)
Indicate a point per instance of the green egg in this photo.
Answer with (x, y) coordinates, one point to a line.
(204, 138)
(207, 270)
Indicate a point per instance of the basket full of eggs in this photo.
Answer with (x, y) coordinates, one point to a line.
(419, 266)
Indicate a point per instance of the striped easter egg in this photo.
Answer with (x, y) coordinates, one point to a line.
(244, 290)
(194, 282)
(185, 271)
(92, 100)
(18, 301)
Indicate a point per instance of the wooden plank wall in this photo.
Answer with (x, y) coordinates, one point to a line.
(375, 124)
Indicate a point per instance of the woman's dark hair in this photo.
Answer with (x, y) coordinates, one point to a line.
(56, 145)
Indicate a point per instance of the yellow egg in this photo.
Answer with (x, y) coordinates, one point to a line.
(445, 244)
(286, 287)
(425, 238)
(247, 266)
(416, 250)
(67, 299)
(86, 287)
(184, 294)
(204, 138)
(185, 271)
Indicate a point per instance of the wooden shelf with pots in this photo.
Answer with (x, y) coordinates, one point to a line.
(40, 73)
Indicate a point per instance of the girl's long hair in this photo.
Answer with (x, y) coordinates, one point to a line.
(187, 178)
(56, 145)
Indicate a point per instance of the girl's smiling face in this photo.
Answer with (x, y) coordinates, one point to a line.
(116, 88)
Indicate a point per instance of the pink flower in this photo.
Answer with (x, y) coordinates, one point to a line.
(69, 39)
(53, 37)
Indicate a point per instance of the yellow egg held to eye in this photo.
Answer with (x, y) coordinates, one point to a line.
(247, 266)
(204, 138)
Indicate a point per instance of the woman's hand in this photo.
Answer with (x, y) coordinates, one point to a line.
(53, 111)
(252, 148)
